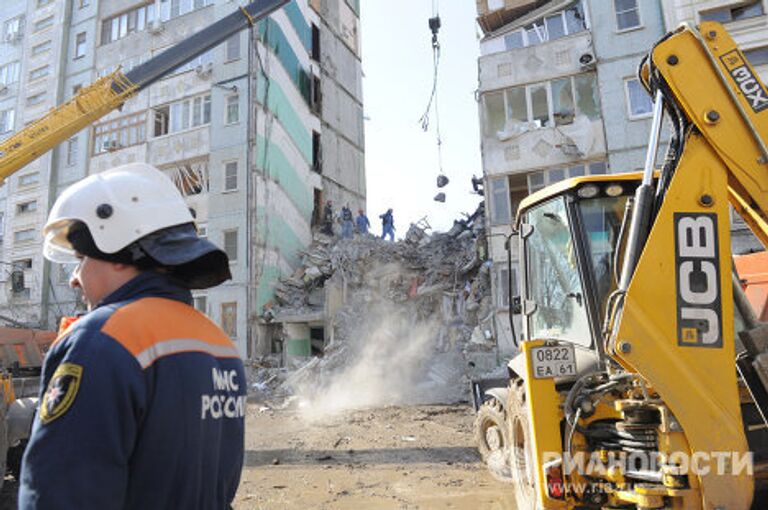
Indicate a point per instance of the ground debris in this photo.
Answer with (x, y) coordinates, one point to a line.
(409, 312)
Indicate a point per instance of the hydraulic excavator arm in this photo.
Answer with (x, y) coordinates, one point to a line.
(110, 92)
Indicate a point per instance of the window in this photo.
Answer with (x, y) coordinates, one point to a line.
(174, 8)
(26, 207)
(80, 45)
(200, 303)
(315, 54)
(200, 63)
(502, 284)
(230, 176)
(190, 177)
(233, 47)
(731, 13)
(552, 278)
(119, 133)
(72, 151)
(36, 99)
(41, 48)
(182, 115)
(40, 72)
(129, 22)
(638, 101)
(500, 200)
(43, 23)
(316, 97)
(627, 14)
(9, 73)
(548, 104)
(43, 3)
(757, 56)
(233, 109)
(555, 26)
(317, 154)
(23, 236)
(230, 244)
(542, 179)
(7, 120)
(229, 319)
(13, 29)
(29, 179)
(64, 273)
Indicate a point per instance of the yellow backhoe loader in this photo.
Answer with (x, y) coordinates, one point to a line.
(641, 378)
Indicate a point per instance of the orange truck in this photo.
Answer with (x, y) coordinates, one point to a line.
(753, 274)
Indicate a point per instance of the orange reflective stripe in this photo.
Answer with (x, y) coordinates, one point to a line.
(143, 325)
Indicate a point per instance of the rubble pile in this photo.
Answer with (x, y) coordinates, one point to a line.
(413, 310)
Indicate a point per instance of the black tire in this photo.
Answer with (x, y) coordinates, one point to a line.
(522, 464)
(15, 455)
(492, 439)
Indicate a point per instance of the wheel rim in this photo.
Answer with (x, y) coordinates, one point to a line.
(493, 438)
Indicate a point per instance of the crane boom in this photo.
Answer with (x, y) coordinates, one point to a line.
(110, 92)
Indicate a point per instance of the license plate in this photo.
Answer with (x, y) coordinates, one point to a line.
(553, 361)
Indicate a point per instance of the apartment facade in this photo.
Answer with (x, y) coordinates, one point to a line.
(747, 22)
(558, 98)
(256, 133)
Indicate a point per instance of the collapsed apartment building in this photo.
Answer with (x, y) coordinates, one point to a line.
(399, 322)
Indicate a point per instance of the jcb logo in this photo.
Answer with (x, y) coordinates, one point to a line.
(749, 85)
(699, 315)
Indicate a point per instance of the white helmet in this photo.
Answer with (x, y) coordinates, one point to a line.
(133, 214)
(119, 206)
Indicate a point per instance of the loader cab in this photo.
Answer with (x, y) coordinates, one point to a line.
(570, 234)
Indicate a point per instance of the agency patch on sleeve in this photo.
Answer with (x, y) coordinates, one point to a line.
(61, 391)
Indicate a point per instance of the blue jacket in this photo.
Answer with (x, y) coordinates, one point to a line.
(142, 406)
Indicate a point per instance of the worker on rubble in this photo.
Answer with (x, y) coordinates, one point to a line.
(143, 398)
(387, 225)
(347, 222)
(362, 223)
(328, 219)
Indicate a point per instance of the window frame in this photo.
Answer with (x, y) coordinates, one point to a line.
(81, 46)
(72, 152)
(26, 207)
(232, 48)
(628, 100)
(616, 13)
(232, 104)
(224, 237)
(43, 24)
(7, 127)
(227, 177)
(225, 309)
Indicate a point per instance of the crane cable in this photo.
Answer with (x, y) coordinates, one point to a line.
(434, 26)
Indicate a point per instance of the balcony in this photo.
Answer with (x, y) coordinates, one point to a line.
(494, 14)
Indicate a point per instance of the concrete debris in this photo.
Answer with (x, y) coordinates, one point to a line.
(376, 301)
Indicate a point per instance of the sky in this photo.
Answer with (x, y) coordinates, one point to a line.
(401, 159)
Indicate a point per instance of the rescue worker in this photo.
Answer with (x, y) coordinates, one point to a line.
(143, 398)
(328, 219)
(347, 222)
(362, 223)
(387, 225)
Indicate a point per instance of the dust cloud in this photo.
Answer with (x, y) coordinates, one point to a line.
(387, 356)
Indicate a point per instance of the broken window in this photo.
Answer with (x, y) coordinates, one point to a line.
(119, 133)
(539, 104)
(503, 285)
(731, 13)
(517, 107)
(574, 19)
(562, 101)
(317, 154)
(494, 112)
(586, 95)
(555, 26)
(535, 33)
(190, 177)
(500, 199)
(514, 40)
(229, 319)
(627, 14)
